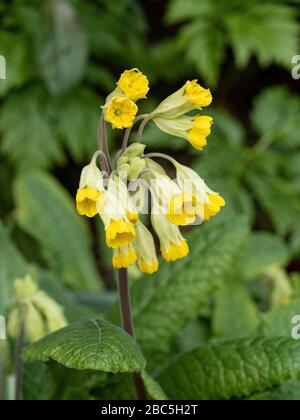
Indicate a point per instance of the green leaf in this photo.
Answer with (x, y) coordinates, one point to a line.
(179, 11)
(38, 383)
(276, 115)
(46, 211)
(231, 370)
(12, 265)
(153, 389)
(263, 250)
(278, 322)
(289, 391)
(268, 31)
(89, 344)
(15, 50)
(164, 305)
(77, 116)
(206, 49)
(61, 46)
(28, 141)
(235, 315)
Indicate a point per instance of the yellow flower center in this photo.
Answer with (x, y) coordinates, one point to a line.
(121, 112)
(134, 84)
(86, 201)
(211, 209)
(197, 95)
(182, 209)
(119, 233)
(175, 251)
(148, 268)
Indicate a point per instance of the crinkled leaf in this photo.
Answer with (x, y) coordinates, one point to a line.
(89, 344)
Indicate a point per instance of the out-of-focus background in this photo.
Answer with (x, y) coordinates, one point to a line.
(62, 58)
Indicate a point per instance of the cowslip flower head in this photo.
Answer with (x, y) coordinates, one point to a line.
(193, 129)
(125, 199)
(124, 257)
(133, 84)
(208, 203)
(90, 189)
(119, 230)
(172, 244)
(33, 308)
(145, 248)
(188, 97)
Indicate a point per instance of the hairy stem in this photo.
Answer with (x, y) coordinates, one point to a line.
(126, 315)
(141, 129)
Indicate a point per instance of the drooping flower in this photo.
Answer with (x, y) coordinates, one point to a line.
(119, 230)
(197, 95)
(120, 112)
(90, 189)
(133, 84)
(172, 244)
(123, 257)
(182, 209)
(145, 248)
(193, 129)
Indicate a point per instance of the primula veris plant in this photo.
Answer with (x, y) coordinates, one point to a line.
(119, 195)
(175, 203)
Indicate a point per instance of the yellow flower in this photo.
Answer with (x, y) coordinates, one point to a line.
(172, 244)
(182, 209)
(134, 84)
(120, 112)
(197, 95)
(145, 248)
(193, 129)
(90, 189)
(202, 128)
(119, 233)
(86, 201)
(214, 205)
(123, 257)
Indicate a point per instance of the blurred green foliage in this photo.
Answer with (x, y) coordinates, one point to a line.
(241, 279)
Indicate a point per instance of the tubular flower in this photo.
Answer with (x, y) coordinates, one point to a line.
(193, 129)
(197, 95)
(90, 189)
(208, 203)
(33, 307)
(120, 112)
(201, 129)
(123, 257)
(188, 97)
(123, 194)
(144, 245)
(182, 209)
(133, 84)
(119, 230)
(172, 244)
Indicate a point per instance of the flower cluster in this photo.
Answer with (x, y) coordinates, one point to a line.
(118, 196)
(35, 310)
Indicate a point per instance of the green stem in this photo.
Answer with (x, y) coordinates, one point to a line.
(103, 146)
(128, 131)
(141, 129)
(127, 321)
(160, 155)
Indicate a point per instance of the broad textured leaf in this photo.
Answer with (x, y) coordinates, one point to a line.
(276, 115)
(46, 211)
(28, 139)
(289, 391)
(263, 250)
(235, 315)
(278, 322)
(61, 46)
(164, 305)
(12, 265)
(232, 370)
(153, 389)
(89, 344)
